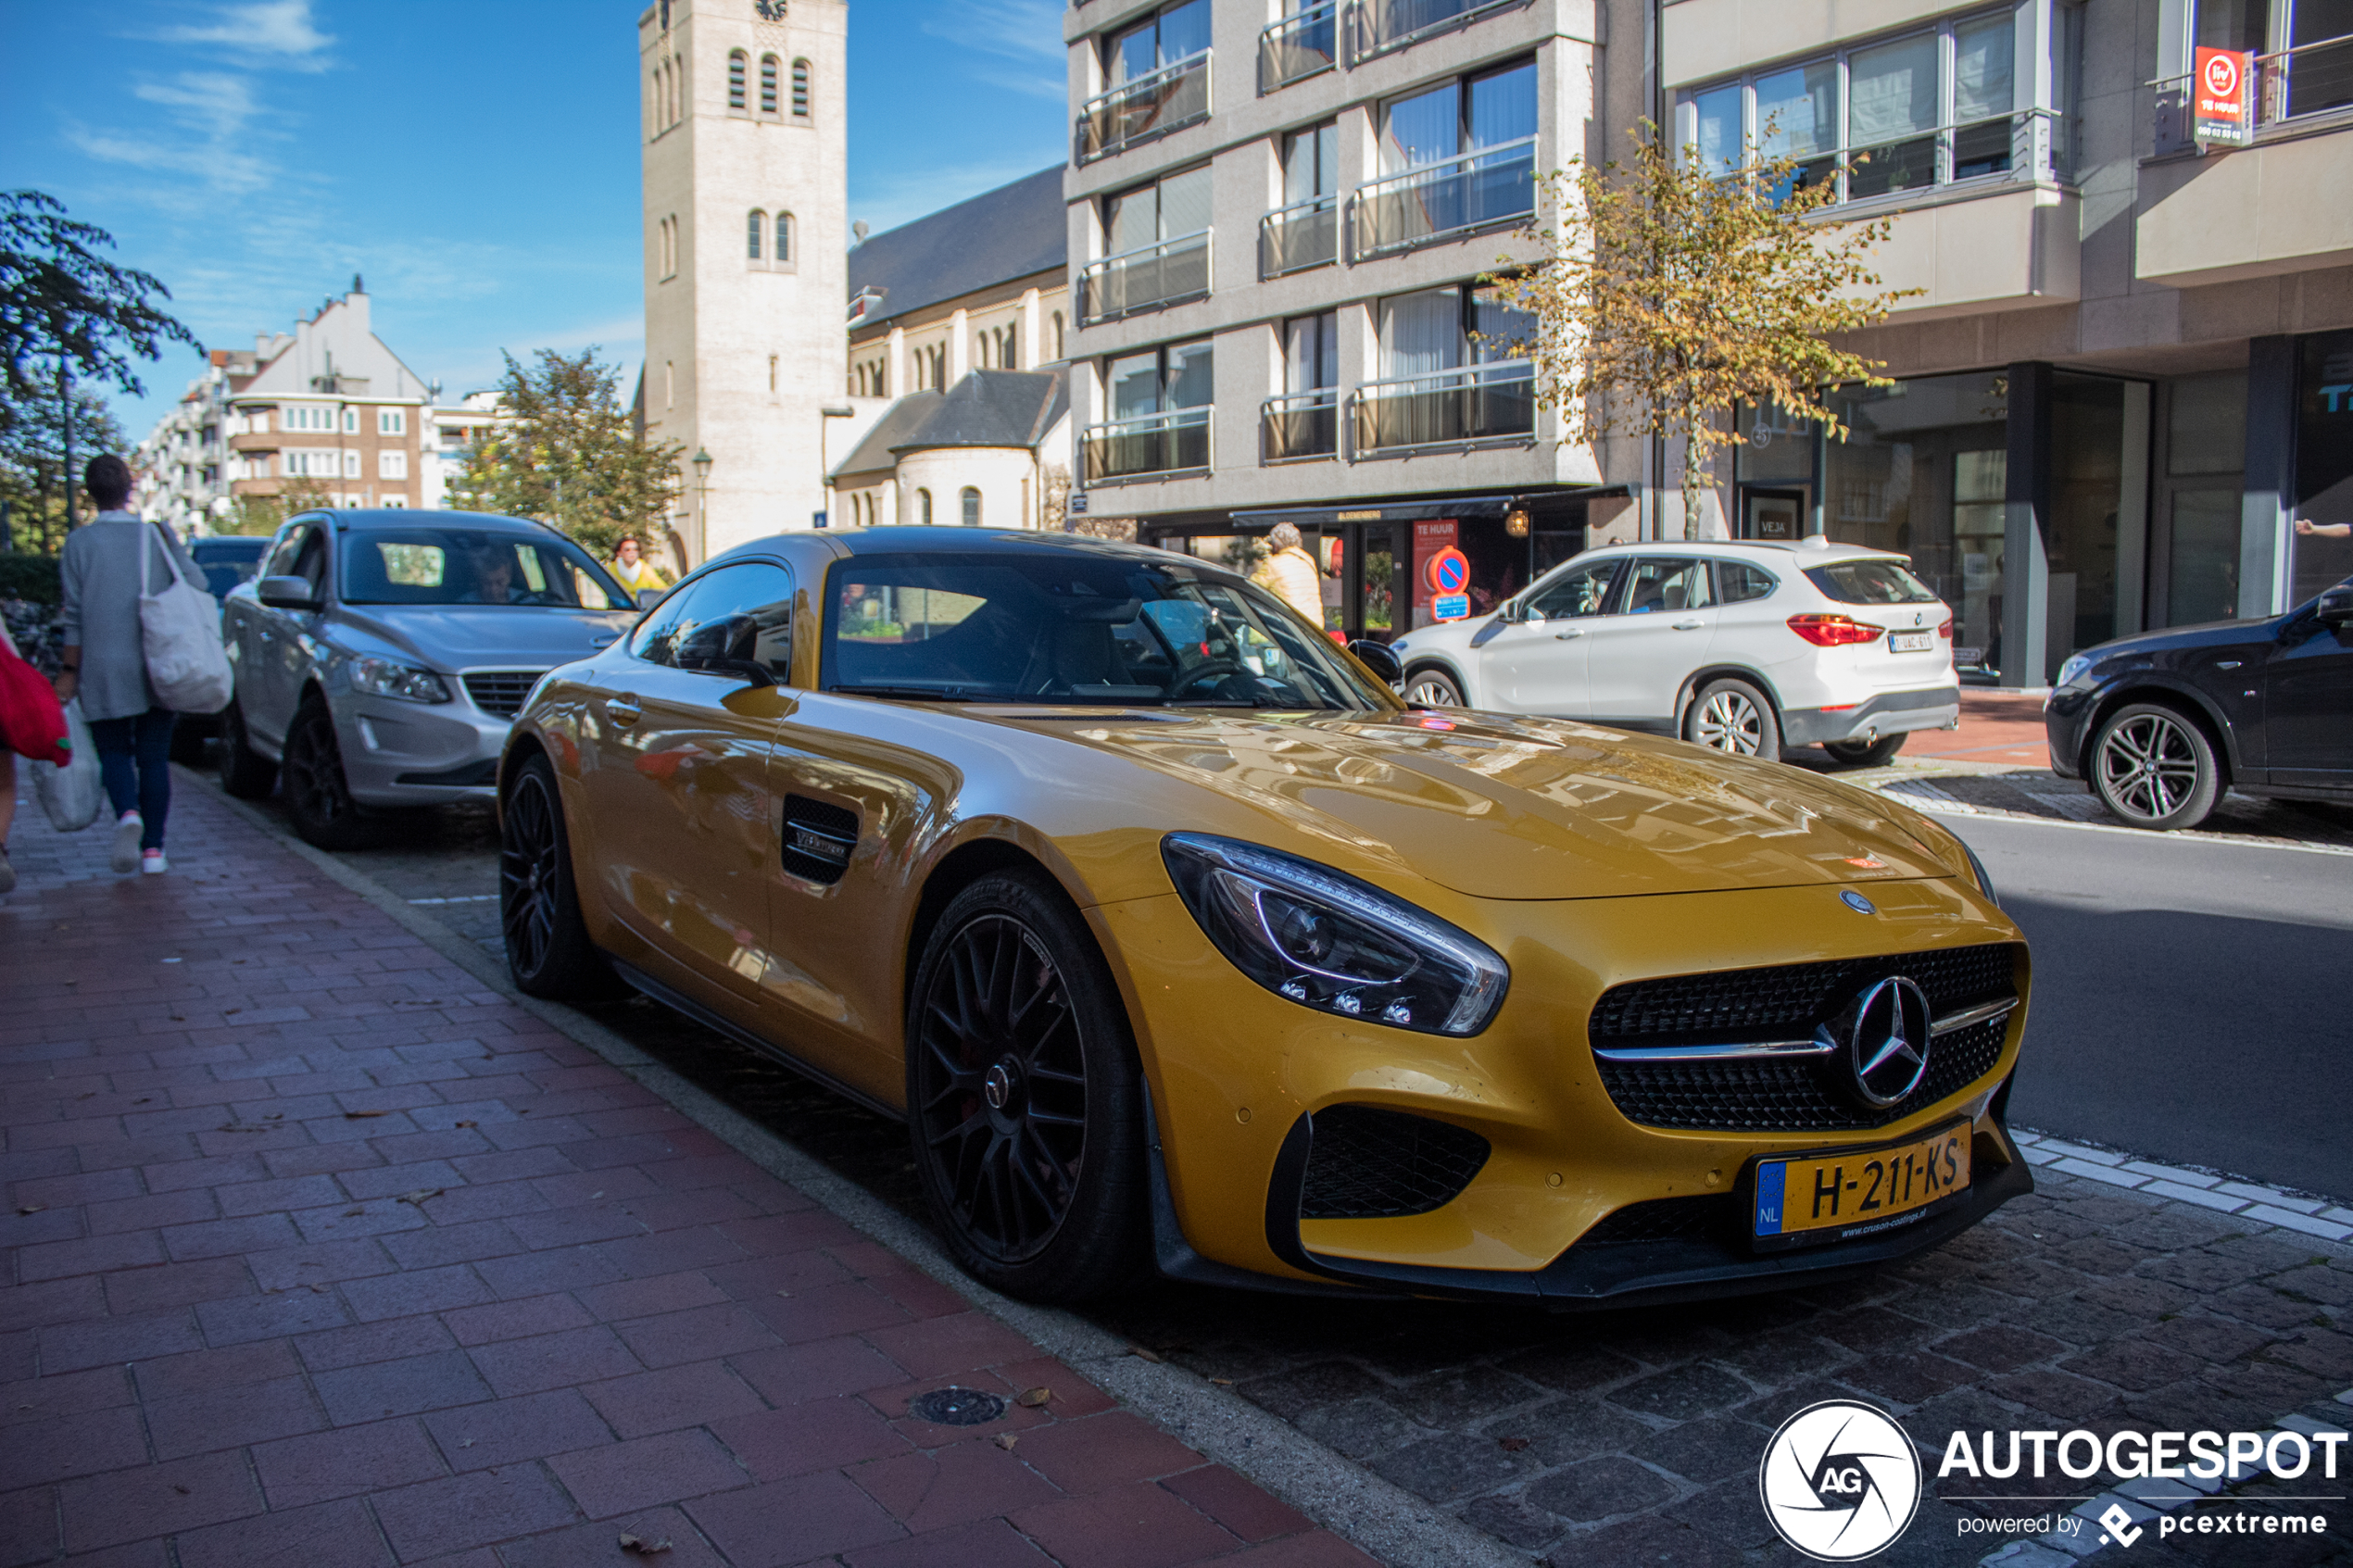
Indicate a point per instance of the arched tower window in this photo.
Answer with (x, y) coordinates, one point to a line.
(971, 500)
(736, 79)
(801, 89)
(767, 84)
(1058, 335)
(784, 236)
(755, 226)
(922, 509)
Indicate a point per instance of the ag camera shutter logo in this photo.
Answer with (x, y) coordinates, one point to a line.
(1840, 1481)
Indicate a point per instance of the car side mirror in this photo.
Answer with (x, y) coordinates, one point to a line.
(1381, 658)
(288, 593)
(648, 597)
(747, 670)
(2335, 608)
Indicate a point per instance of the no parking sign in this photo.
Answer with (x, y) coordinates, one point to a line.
(1441, 573)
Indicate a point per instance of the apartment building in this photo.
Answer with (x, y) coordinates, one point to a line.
(2129, 368)
(184, 463)
(1277, 224)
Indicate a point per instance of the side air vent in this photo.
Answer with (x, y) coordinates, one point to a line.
(1372, 1164)
(819, 837)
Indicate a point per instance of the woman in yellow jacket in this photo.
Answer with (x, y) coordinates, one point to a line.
(1292, 574)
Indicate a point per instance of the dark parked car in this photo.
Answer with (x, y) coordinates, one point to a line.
(2162, 723)
(226, 560)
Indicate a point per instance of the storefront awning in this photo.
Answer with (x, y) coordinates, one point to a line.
(1416, 511)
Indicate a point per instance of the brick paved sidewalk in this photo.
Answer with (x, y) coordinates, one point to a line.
(1995, 727)
(322, 1255)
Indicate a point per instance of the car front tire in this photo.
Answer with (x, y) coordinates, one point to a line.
(245, 772)
(2154, 767)
(1433, 688)
(1025, 1100)
(548, 952)
(318, 797)
(1733, 717)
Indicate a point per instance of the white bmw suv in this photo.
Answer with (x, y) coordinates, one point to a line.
(1744, 646)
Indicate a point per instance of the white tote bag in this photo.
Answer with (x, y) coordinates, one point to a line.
(180, 630)
(72, 792)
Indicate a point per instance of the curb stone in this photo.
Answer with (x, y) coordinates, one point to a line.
(1380, 1518)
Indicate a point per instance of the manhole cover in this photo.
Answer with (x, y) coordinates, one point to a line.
(956, 1407)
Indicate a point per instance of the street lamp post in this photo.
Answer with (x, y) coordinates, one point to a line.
(701, 459)
(825, 466)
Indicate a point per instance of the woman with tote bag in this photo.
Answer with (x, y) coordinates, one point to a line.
(108, 569)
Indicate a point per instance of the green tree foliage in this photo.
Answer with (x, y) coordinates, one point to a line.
(32, 467)
(59, 297)
(564, 453)
(263, 514)
(1664, 291)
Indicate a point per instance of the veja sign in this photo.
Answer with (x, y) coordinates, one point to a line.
(2223, 96)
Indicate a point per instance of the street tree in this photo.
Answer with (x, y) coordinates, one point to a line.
(263, 514)
(60, 300)
(1665, 289)
(564, 451)
(36, 474)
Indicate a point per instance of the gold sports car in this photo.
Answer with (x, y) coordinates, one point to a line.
(1180, 943)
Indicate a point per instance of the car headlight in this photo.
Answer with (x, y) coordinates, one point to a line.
(2076, 664)
(1977, 869)
(389, 677)
(1327, 941)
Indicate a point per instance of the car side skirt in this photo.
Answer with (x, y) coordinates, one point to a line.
(718, 1023)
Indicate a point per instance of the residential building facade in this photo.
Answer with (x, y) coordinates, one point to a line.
(958, 323)
(1278, 229)
(184, 463)
(745, 239)
(2129, 366)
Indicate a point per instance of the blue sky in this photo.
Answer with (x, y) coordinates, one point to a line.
(476, 162)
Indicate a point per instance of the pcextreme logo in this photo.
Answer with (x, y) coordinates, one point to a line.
(1840, 1481)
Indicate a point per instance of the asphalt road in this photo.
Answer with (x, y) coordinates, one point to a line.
(2190, 997)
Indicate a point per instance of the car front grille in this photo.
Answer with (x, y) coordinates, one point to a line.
(1366, 1163)
(1789, 1001)
(1716, 1218)
(499, 693)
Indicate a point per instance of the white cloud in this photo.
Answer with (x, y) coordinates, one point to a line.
(212, 116)
(277, 32)
(1027, 33)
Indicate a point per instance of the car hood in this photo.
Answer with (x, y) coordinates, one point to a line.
(456, 637)
(2172, 639)
(1500, 808)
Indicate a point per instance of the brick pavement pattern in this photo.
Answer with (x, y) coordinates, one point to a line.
(319, 1256)
(1995, 727)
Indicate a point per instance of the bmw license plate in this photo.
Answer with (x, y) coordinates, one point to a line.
(1846, 1196)
(1910, 642)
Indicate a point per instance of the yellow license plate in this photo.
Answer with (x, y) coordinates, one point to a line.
(1841, 1196)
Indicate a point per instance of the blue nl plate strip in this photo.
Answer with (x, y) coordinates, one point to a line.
(1769, 1199)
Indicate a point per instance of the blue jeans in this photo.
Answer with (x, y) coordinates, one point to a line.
(134, 757)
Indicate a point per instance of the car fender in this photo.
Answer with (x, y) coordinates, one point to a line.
(2145, 684)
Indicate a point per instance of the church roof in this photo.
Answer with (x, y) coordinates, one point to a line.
(1002, 408)
(1010, 233)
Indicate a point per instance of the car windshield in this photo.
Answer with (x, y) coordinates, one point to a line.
(1870, 583)
(468, 566)
(1066, 628)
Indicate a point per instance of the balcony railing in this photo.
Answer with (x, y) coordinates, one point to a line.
(1293, 238)
(1479, 190)
(1299, 46)
(1169, 98)
(1304, 424)
(1450, 408)
(1383, 25)
(2310, 79)
(1137, 280)
(1170, 442)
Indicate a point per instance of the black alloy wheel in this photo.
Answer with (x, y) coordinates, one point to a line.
(245, 772)
(1864, 752)
(1732, 716)
(318, 797)
(1432, 688)
(549, 951)
(1022, 1095)
(2154, 767)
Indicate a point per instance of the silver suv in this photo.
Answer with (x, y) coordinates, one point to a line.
(381, 655)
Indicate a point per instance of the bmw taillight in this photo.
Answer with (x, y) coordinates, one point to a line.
(1944, 629)
(1834, 631)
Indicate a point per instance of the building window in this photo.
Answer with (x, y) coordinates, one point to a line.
(1158, 408)
(392, 465)
(1155, 246)
(1446, 371)
(767, 84)
(669, 384)
(351, 465)
(1892, 115)
(1058, 336)
(736, 80)
(801, 89)
(1457, 157)
(391, 421)
(970, 498)
(772, 372)
(922, 509)
(754, 227)
(783, 237)
(395, 503)
(351, 422)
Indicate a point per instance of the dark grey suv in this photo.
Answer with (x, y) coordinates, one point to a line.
(380, 657)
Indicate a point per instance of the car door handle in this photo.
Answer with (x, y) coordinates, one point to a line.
(2227, 664)
(623, 711)
(1689, 625)
(1572, 632)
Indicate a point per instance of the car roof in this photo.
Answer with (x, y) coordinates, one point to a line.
(405, 517)
(852, 542)
(1762, 549)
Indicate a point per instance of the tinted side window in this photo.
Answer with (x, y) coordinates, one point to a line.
(281, 562)
(738, 614)
(1667, 586)
(1580, 591)
(1737, 581)
(1870, 583)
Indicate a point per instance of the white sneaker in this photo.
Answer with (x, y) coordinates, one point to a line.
(127, 829)
(151, 862)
